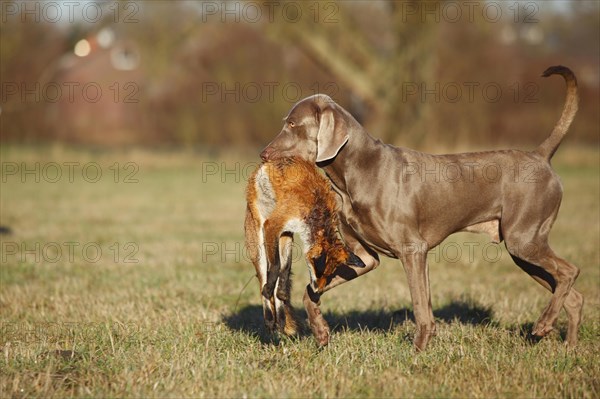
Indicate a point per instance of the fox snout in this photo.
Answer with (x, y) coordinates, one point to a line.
(335, 258)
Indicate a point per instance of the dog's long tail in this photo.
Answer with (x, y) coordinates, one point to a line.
(549, 146)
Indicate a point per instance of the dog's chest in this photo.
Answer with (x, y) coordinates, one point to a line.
(368, 226)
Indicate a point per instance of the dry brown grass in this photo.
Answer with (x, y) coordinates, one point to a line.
(178, 322)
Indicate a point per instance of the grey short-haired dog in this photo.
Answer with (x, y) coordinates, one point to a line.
(402, 203)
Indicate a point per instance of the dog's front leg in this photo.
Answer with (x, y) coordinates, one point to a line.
(414, 259)
(316, 321)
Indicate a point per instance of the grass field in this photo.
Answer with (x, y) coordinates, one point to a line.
(132, 283)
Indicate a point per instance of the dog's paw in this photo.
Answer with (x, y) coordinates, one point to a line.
(320, 330)
(542, 329)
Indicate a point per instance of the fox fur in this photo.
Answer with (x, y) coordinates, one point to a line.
(287, 196)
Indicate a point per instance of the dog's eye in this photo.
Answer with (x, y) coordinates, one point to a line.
(291, 124)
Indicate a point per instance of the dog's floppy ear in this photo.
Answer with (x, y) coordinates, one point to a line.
(332, 135)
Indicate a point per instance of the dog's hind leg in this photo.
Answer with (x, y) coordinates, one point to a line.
(528, 246)
(573, 301)
(574, 307)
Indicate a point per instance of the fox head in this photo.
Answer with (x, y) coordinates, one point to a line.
(328, 260)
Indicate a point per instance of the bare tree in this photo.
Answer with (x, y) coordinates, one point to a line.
(374, 71)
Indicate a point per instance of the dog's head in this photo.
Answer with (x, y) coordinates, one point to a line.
(315, 129)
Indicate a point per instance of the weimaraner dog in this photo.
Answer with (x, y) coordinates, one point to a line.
(402, 203)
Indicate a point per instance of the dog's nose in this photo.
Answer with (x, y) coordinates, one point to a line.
(265, 154)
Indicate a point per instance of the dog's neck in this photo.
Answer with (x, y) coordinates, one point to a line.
(341, 170)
